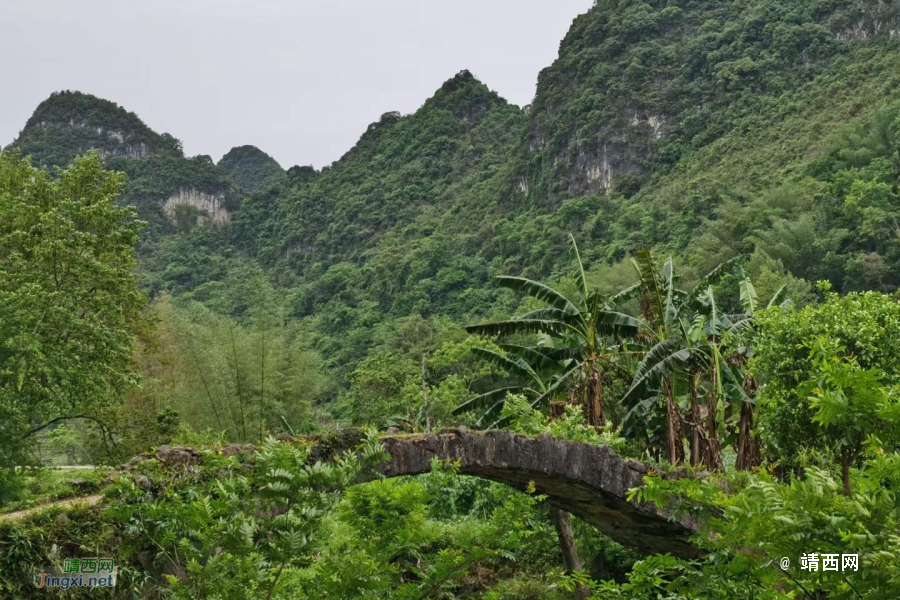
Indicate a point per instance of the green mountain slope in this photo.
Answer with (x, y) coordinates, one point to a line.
(250, 168)
(640, 86)
(402, 223)
(70, 123)
(706, 129)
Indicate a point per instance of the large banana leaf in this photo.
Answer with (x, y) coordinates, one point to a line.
(610, 321)
(653, 356)
(491, 413)
(744, 323)
(733, 386)
(670, 308)
(716, 321)
(636, 416)
(517, 326)
(540, 357)
(662, 360)
(629, 293)
(716, 274)
(552, 314)
(579, 271)
(650, 290)
(487, 399)
(540, 291)
(749, 299)
(780, 298)
(511, 365)
(552, 390)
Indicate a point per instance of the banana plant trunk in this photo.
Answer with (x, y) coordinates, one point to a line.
(696, 457)
(714, 451)
(749, 455)
(673, 426)
(595, 398)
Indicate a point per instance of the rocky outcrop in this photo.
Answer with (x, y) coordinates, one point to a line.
(178, 455)
(210, 207)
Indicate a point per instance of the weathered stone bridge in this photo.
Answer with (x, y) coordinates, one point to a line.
(590, 482)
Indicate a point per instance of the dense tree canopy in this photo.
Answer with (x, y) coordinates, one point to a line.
(69, 300)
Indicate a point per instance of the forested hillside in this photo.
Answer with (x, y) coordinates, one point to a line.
(709, 129)
(685, 248)
(250, 168)
(706, 129)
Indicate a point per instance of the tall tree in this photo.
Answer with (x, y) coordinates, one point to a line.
(69, 301)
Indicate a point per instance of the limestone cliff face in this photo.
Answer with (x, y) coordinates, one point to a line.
(108, 142)
(211, 207)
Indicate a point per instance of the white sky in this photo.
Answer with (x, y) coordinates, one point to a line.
(301, 79)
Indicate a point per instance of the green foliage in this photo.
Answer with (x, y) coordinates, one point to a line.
(749, 529)
(582, 335)
(36, 486)
(242, 379)
(69, 124)
(700, 130)
(68, 296)
(233, 528)
(250, 168)
(413, 379)
(866, 326)
(45, 540)
(396, 226)
(521, 417)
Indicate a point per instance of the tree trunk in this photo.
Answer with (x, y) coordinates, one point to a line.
(696, 457)
(571, 561)
(714, 452)
(748, 452)
(846, 460)
(556, 410)
(595, 398)
(673, 426)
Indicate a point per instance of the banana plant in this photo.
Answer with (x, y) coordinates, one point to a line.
(680, 325)
(582, 332)
(538, 370)
(747, 444)
(693, 350)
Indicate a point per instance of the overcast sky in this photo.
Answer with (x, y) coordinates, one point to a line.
(301, 79)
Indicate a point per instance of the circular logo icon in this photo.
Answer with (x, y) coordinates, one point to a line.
(785, 563)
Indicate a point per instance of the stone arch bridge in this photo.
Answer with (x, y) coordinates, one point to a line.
(588, 481)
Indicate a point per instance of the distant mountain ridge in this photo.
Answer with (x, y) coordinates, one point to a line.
(250, 168)
(160, 178)
(70, 123)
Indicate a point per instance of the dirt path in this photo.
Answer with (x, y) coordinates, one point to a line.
(21, 514)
